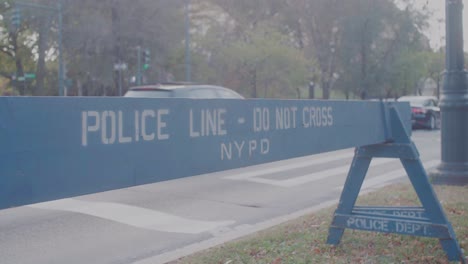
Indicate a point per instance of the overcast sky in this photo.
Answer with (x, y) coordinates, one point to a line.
(436, 32)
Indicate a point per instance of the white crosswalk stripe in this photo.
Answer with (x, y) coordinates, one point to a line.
(256, 176)
(134, 216)
(380, 180)
(297, 181)
(260, 175)
(296, 165)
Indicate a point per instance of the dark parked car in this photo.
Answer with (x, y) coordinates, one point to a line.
(182, 90)
(425, 111)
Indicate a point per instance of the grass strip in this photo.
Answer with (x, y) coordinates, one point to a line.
(304, 240)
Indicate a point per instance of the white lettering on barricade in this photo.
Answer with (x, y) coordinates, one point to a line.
(86, 127)
(111, 125)
(380, 225)
(108, 117)
(144, 118)
(317, 117)
(286, 117)
(410, 228)
(226, 149)
(264, 146)
(209, 122)
(408, 213)
(247, 147)
(122, 137)
(137, 126)
(119, 127)
(261, 119)
(252, 147)
(162, 124)
(159, 115)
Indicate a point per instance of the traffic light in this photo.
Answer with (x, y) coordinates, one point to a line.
(16, 18)
(146, 59)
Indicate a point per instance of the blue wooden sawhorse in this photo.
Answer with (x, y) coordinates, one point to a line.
(428, 220)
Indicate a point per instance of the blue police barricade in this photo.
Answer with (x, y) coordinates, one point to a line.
(54, 148)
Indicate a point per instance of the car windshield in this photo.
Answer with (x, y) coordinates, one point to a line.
(414, 101)
(149, 93)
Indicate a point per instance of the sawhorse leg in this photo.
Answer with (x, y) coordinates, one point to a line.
(349, 195)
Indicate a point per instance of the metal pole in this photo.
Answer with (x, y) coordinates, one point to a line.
(60, 49)
(139, 66)
(188, 59)
(120, 82)
(453, 169)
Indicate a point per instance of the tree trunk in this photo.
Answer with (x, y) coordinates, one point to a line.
(18, 63)
(311, 90)
(364, 43)
(253, 82)
(79, 85)
(41, 50)
(117, 49)
(326, 89)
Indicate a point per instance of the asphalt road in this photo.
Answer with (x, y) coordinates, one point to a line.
(160, 222)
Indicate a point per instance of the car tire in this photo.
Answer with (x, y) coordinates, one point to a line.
(432, 125)
(438, 122)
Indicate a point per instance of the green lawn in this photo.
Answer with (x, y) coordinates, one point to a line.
(303, 240)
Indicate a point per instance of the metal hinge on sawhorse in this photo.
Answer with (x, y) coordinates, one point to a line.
(428, 220)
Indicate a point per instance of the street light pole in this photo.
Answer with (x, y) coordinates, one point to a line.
(453, 169)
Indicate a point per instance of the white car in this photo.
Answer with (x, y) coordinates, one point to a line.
(181, 90)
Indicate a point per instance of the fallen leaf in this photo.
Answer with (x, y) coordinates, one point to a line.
(277, 261)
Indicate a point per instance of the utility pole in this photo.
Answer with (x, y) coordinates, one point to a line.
(453, 169)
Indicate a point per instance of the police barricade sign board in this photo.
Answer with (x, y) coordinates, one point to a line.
(59, 147)
(54, 148)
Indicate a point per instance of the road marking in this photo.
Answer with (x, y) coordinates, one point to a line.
(316, 176)
(236, 233)
(244, 230)
(297, 165)
(378, 181)
(134, 216)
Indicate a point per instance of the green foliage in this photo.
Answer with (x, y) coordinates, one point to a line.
(100, 34)
(23, 46)
(267, 48)
(265, 65)
(408, 69)
(380, 49)
(256, 59)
